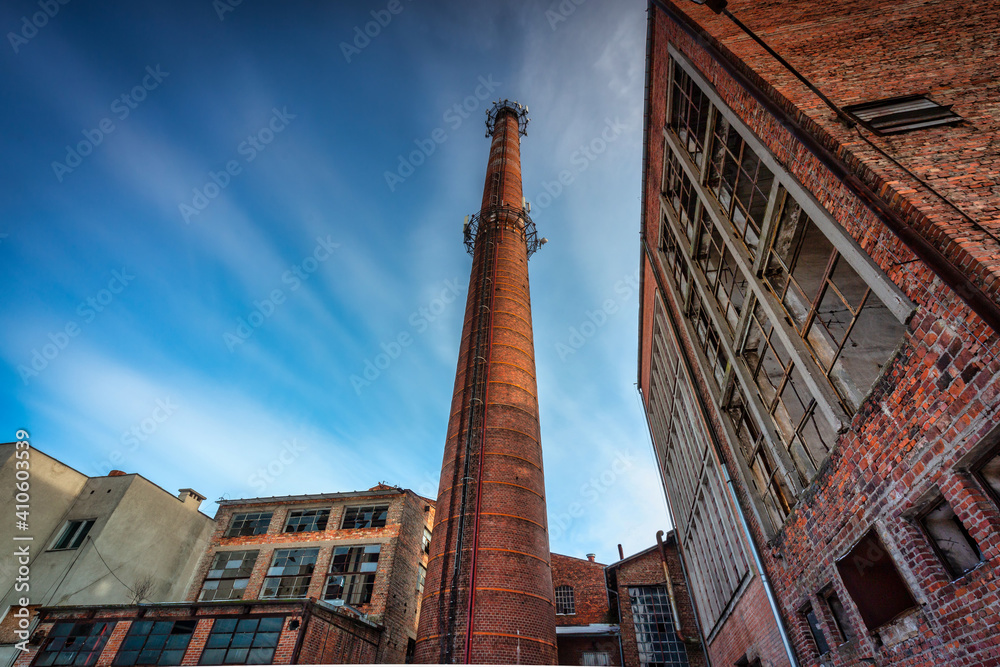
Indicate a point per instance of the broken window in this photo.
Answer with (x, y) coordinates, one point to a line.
(689, 108)
(952, 542)
(740, 181)
(807, 436)
(673, 259)
(679, 193)
(565, 600)
(290, 573)
(988, 473)
(71, 643)
(307, 521)
(655, 636)
(155, 643)
(850, 332)
(901, 114)
(228, 575)
(251, 523)
(73, 534)
(812, 622)
(841, 623)
(765, 476)
(421, 578)
(352, 574)
(369, 516)
(724, 277)
(244, 641)
(426, 543)
(708, 339)
(873, 582)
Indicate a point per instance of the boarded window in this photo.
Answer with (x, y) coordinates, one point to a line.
(952, 542)
(873, 582)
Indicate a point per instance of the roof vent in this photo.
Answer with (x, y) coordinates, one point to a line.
(902, 114)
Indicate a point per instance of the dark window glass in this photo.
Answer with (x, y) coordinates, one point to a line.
(249, 641)
(228, 576)
(73, 534)
(873, 582)
(290, 573)
(956, 548)
(74, 644)
(850, 332)
(673, 259)
(352, 574)
(726, 281)
(740, 181)
(565, 600)
(708, 338)
(155, 643)
(688, 113)
(819, 639)
(252, 523)
(679, 193)
(307, 521)
(655, 636)
(369, 516)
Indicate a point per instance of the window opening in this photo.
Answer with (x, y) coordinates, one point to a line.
(368, 516)
(155, 643)
(245, 641)
(290, 573)
(352, 574)
(565, 600)
(228, 575)
(73, 534)
(307, 521)
(251, 523)
(952, 542)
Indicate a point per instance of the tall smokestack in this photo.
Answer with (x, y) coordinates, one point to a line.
(488, 593)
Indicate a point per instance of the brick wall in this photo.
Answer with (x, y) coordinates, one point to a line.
(935, 407)
(571, 649)
(589, 590)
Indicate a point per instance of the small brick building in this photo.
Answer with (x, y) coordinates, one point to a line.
(625, 613)
(820, 325)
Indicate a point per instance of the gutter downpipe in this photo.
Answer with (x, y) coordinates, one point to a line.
(717, 447)
(951, 275)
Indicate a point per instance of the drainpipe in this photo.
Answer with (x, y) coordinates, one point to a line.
(678, 627)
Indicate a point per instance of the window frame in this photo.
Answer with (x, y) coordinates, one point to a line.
(154, 624)
(317, 519)
(228, 555)
(358, 509)
(358, 585)
(952, 568)
(238, 624)
(565, 599)
(296, 577)
(242, 518)
(93, 651)
(73, 536)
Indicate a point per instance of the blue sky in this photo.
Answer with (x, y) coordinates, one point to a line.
(217, 216)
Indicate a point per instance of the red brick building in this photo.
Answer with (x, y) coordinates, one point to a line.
(322, 578)
(819, 325)
(625, 613)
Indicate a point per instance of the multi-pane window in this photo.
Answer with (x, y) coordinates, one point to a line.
(850, 332)
(369, 516)
(765, 476)
(952, 542)
(307, 521)
(228, 575)
(421, 578)
(673, 258)
(155, 643)
(679, 193)
(807, 436)
(73, 534)
(656, 639)
(565, 600)
(725, 280)
(290, 573)
(245, 641)
(250, 523)
(705, 521)
(708, 339)
(74, 644)
(688, 117)
(740, 181)
(352, 574)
